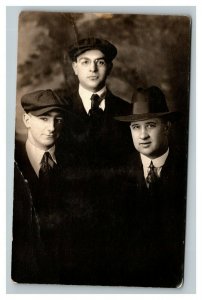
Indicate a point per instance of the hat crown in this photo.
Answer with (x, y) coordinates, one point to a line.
(149, 101)
(41, 101)
(91, 43)
(147, 104)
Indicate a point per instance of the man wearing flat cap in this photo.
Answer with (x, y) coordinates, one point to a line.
(94, 104)
(36, 186)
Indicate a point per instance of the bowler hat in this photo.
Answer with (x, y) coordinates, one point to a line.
(91, 43)
(149, 103)
(42, 101)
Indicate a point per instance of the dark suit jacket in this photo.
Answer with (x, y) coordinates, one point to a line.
(37, 221)
(150, 226)
(102, 139)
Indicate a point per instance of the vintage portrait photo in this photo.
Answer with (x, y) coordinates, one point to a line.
(101, 149)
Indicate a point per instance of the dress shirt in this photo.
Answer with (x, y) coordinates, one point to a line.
(35, 155)
(157, 162)
(86, 95)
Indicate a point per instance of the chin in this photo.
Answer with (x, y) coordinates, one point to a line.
(48, 145)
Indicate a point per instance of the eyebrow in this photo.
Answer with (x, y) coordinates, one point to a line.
(85, 57)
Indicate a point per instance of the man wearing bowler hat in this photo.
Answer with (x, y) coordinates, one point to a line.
(93, 102)
(36, 186)
(153, 195)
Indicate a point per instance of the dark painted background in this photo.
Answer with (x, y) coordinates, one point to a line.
(152, 50)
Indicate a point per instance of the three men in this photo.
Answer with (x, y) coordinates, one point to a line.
(119, 227)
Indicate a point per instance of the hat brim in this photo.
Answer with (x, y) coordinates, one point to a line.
(171, 116)
(44, 110)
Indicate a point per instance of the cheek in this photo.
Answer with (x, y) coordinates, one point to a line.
(37, 129)
(103, 72)
(134, 137)
(158, 137)
(58, 127)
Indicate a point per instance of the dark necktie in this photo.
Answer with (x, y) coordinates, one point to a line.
(45, 180)
(152, 177)
(47, 165)
(95, 102)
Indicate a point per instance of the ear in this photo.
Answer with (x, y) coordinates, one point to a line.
(74, 66)
(26, 120)
(167, 127)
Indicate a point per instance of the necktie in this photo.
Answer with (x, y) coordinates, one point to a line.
(152, 177)
(95, 102)
(46, 169)
(45, 181)
(47, 165)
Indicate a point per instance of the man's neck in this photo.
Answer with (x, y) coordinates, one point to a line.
(94, 91)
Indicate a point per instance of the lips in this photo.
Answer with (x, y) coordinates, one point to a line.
(92, 77)
(145, 144)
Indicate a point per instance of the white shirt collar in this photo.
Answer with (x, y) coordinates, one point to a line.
(35, 155)
(157, 162)
(86, 95)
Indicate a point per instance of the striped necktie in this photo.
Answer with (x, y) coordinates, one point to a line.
(152, 175)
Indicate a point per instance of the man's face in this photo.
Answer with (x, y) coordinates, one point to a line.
(150, 137)
(92, 70)
(44, 130)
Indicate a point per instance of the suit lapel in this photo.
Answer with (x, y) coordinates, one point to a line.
(78, 107)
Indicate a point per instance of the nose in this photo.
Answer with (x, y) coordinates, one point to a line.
(51, 125)
(144, 133)
(93, 66)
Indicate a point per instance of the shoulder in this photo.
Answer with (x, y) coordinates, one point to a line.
(176, 160)
(120, 105)
(20, 153)
(68, 96)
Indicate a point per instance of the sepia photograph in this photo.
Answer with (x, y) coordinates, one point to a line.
(101, 149)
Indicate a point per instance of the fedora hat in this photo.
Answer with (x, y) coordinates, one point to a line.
(42, 101)
(149, 103)
(92, 43)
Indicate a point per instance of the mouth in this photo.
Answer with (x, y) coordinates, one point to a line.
(93, 77)
(145, 144)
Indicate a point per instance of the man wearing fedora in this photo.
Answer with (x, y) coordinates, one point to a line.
(94, 104)
(36, 208)
(152, 198)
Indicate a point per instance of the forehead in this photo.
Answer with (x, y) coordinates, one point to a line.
(147, 121)
(91, 54)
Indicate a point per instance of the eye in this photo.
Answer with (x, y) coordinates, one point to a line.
(59, 120)
(151, 125)
(85, 62)
(135, 126)
(43, 119)
(101, 62)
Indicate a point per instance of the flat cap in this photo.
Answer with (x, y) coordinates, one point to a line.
(42, 101)
(91, 43)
